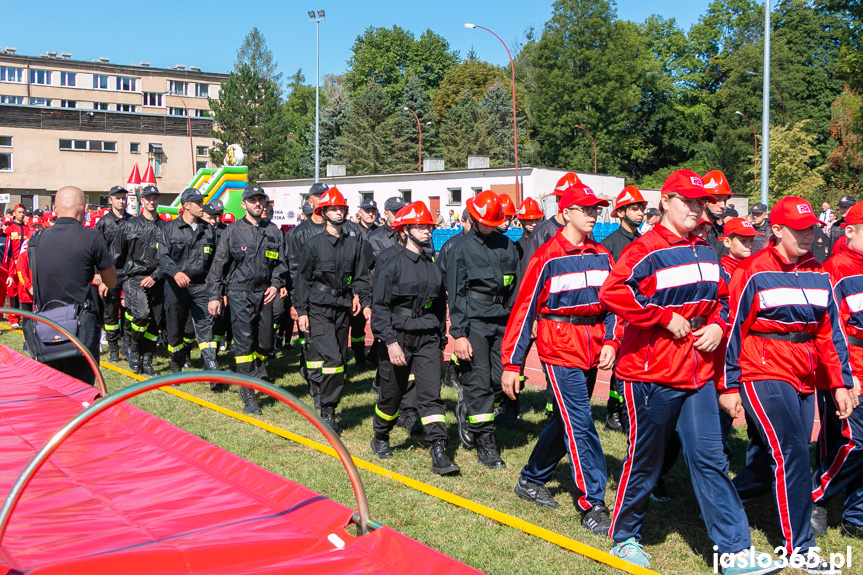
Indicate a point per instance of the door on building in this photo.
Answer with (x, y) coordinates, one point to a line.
(434, 206)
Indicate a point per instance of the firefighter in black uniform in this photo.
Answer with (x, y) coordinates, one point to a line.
(250, 267)
(135, 256)
(109, 226)
(332, 284)
(480, 281)
(409, 304)
(367, 223)
(185, 253)
(214, 210)
(452, 369)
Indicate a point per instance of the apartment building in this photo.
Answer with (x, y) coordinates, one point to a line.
(65, 121)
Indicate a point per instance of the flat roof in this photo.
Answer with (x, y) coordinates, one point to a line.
(42, 60)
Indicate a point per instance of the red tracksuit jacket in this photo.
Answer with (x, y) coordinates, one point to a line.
(771, 295)
(660, 274)
(729, 264)
(23, 277)
(561, 279)
(16, 235)
(846, 275)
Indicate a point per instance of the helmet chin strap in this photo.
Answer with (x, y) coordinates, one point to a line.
(632, 224)
(332, 221)
(422, 244)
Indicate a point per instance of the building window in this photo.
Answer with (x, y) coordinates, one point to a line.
(200, 165)
(406, 195)
(202, 90)
(12, 100)
(100, 81)
(68, 78)
(100, 106)
(366, 196)
(6, 162)
(5, 141)
(126, 107)
(42, 77)
(68, 104)
(202, 113)
(87, 146)
(109, 146)
(476, 191)
(454, 196)
(178, 88)
(177, 111)
(40, 101)
(10, 74)
(157, 167)
(153, 99)
(125, 84)
(135, 148)
(202, 151)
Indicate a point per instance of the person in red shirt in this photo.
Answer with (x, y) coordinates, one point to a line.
(840, 445)
(4, 264)
(785, 341)
(739, 236)
(668, 289)
(575, 337)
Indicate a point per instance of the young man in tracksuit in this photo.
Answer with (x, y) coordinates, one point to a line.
(109, 226)
(185, 253)
(135, 254)
(17, 233)
(546, 229)
(249, 268)
(482, 273)
(668, 290)
(575, 335)
(840, 445)
(332, 285)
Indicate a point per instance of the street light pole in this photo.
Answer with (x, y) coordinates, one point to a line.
(317, 19)
(754, 137)
(585, 130)
(778, 91)
(420, 128)
(514, 124)
(189, 123)
(765, 110)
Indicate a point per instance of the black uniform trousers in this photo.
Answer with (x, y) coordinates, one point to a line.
(145, 311)
(326, 350)
(111, 314)
(423, 354)
(181, 303)
(358, 335)
(252, 325)
(482, 375)
(222, 325)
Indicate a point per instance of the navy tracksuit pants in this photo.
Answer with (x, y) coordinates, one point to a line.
(655, 412)
(571, 431)
(840, 450)
(778, 455)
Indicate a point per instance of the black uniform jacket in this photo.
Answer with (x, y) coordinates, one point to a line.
(248, 258)
(616, 241)
(331, 270)
(296, 241)
(135, 249)
(109, 226)
(183, 249)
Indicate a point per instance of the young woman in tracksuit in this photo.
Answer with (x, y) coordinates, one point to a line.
(668, 289)
(575, 335)
(785, 342)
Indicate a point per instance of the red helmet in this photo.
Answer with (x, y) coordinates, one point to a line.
(413, 214)
(228, 218)
(508, 205)
(35, 221)
(486, 209)
(331, 198)
(530, 210)
(716, 183)
(568, 179)
(629, 195)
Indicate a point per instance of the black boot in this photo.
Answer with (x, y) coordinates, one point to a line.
(612, 423)
(187, 361)
(465, 436)
(125, 344)
(360, 356)
(381, 448)
(328, 414)
(133, 355)
(147, 365)
(441, 464)
(486, 451)
(114, 351)
(409, 420)
(451, 377)
(210, 364)
(315, 392)
(176, 362)
(250, 403)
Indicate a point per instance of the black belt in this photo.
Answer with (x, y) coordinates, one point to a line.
(793, 337)
(574, 319)
(698, 322)
(855, 341)
(485, 297)
(410, 312)
(328, 290)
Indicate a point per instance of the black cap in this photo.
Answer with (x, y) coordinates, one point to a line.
(191, 195)
(255, 191)
(149, 191)
(214, 207)
(758, 208)
(394, 204)
(118, 190)
(318, 189)
(652, 212)
(847, 201)
(38, 212)
(730, 213)
(368, 204)
(308, 209)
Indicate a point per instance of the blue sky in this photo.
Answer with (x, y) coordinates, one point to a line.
(207, 34)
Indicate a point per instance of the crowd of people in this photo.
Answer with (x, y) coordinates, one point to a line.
(701, 315)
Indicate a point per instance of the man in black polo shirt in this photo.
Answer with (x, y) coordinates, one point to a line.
(62, 268)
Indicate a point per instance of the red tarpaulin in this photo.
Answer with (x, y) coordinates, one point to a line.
(129, 493)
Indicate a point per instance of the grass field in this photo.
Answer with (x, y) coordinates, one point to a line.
(673, 533)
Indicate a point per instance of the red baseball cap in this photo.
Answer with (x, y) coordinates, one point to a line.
(579, 195)
(855, 215)
(35, 221)
(688, 184)
(740, 227)
(794, 212)
(7, 220)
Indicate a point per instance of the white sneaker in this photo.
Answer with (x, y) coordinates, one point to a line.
(15, 325)
(817, 565)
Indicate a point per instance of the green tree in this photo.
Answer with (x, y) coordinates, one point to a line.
(299, 111)
(416, 99)
(333, 120)
(497, 103)
(845, 163)
(465, 130)
(471, 74)
(249, 113)
(255, 54)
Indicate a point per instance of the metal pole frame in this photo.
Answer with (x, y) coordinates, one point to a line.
(765, 110)
(317, 22)
(94, 365)
(12, 499)
(420, 128)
